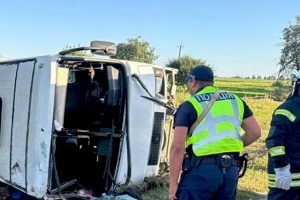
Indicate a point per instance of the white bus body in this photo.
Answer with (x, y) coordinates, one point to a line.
(70, 121)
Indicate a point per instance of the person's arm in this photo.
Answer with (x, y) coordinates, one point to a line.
(252, 130)
(275, 141)
(281, 125)
(176, 158)
(185, 116)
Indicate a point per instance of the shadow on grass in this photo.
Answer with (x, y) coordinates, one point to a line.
(248, 195)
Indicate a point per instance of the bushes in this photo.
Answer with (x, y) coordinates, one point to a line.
(280, 94)
(281, 91)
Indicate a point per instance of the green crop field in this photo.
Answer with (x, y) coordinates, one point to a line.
(254, 184)
(245, 87)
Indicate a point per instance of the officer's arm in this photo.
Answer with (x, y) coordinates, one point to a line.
(252, 130)
(176, 155)
(280, 125)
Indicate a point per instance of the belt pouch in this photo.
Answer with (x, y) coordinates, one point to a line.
(186, 164)
(225, 160)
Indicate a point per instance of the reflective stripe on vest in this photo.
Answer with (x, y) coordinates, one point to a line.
(286, 113)
(217, 132)
(277, 151)
(295, 180)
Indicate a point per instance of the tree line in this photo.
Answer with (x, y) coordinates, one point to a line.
(257, 77)
(139, 50)
(136, 49)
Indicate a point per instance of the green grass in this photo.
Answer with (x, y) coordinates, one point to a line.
(254, 184)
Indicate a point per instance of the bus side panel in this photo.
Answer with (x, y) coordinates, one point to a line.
(40, 126)
(20, 123)
(140, 122)
(7, 85)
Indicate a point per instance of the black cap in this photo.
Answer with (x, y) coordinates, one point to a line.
(202, 73)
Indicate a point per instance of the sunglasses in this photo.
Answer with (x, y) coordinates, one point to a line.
(189, 77)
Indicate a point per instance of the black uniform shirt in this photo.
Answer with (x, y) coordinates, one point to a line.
(186, 114)
(285, 132)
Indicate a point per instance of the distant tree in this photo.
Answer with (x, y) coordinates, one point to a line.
(136, 49)
(184, 65)
(253, 77)
(258, 77)
(237, 76)
(290, 52)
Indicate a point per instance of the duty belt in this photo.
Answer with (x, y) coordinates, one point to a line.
(222, 160)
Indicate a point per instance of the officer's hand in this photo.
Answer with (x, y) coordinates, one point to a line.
(172, 191)
(283, 178)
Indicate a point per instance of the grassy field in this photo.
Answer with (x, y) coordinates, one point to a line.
(254, 184)
(243, 87)
(256, 179)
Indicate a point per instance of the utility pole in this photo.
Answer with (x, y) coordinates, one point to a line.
(180, 50)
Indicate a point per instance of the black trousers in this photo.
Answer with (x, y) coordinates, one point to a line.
(208, 182)
(279, 194)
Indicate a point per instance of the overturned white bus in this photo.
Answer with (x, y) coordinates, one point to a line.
(70, 122)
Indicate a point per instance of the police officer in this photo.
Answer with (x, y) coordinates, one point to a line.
(214, 145)
(283, 143)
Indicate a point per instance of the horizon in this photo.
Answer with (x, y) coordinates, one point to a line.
(235, 38)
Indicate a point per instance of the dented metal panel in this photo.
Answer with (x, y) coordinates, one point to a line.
(40, 126)
(22, 97)
(7, 92)
(27, 90)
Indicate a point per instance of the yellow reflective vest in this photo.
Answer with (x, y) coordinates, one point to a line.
(219, 131)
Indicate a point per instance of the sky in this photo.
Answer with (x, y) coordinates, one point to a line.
(237, 38)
